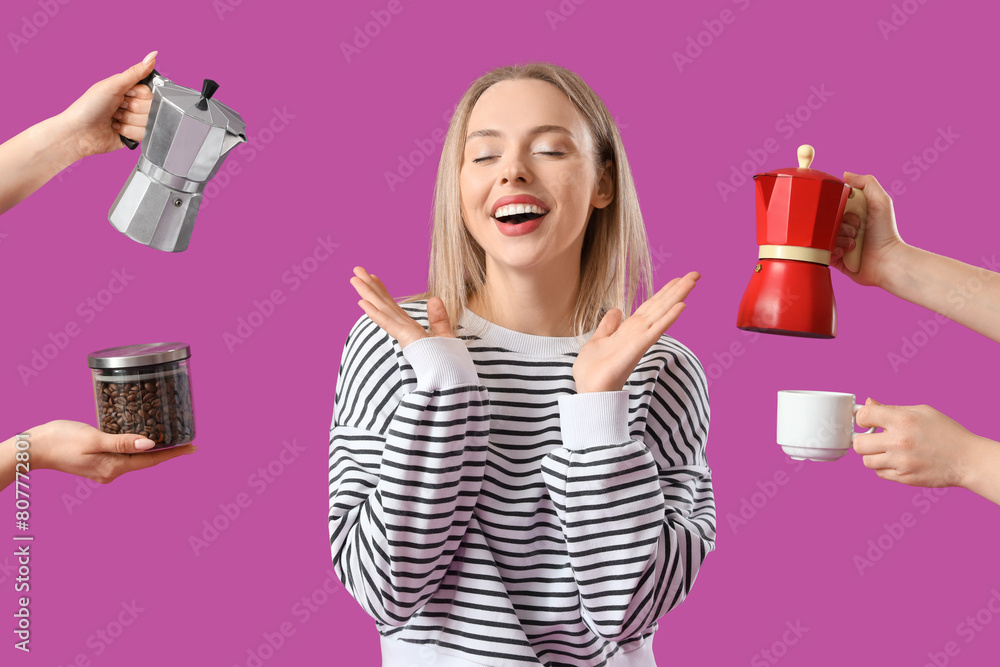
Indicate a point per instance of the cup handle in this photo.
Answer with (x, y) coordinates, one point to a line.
(854, 413)
(857, 204)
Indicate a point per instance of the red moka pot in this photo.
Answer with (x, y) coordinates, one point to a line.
(799, 213)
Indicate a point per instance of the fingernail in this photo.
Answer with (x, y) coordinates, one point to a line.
(130, 93)
(192, 450)
(116, 125)
(144, 443)
(849, 173)
(148, 59)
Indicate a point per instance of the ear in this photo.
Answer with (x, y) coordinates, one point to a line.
(604, 193)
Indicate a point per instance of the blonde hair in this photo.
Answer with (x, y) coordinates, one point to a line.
(614, 263)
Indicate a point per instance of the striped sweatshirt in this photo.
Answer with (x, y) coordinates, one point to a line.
(483, 510)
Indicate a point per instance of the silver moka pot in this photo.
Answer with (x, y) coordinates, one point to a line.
(188, 135)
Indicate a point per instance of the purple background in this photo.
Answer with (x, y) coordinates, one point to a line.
(343, 125)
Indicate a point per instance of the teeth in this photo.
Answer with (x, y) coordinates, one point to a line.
(518, 209)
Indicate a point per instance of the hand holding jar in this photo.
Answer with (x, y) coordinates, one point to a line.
(80, 449)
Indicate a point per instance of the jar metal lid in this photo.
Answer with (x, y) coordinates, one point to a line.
(130, 356)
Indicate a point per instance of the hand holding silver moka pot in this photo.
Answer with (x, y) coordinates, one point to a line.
(188, 135)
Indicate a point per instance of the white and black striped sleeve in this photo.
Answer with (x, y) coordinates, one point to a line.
(637, 510)
(407, 457)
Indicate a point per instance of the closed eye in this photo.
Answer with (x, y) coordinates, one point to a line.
(479, 160)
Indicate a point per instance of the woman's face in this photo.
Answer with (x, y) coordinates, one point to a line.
(528, 178)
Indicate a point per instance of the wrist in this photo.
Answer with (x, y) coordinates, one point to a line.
(58, 141)
(895, 274)
(981, 460)
(594, 419)
(583, 386)
(37, 437)
(440, 363)
(7, 462)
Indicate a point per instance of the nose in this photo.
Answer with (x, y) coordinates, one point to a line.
(514, 169)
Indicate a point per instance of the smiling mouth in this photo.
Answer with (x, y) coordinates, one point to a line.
(515, 214)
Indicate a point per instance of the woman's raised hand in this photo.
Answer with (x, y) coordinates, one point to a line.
(385, 312)
(612, 353)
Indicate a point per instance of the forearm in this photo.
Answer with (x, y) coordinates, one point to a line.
(419, 482)
(30, 159)
(7, 450)
(393, 556)
(625, 520)
(983, 476)
(969, 295)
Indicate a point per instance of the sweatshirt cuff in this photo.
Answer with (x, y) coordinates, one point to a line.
(440, 363)
(594, 419)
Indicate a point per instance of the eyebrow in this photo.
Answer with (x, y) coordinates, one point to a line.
(541, 129)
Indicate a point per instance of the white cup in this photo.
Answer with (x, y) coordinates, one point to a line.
(816, 425)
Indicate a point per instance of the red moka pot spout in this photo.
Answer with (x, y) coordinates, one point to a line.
(799, 212)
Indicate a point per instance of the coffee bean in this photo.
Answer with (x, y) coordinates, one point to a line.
(159, 409)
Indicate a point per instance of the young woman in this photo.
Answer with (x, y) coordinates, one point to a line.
(526, 482)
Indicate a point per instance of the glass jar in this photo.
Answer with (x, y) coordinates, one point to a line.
(145, 389)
